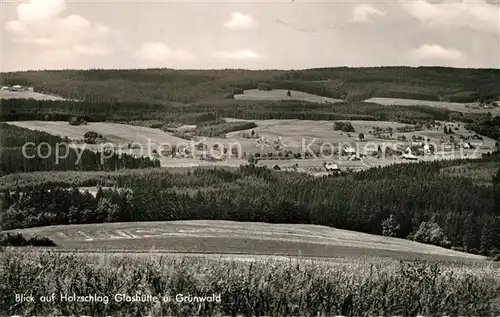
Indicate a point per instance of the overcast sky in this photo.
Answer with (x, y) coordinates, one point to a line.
(61, 34)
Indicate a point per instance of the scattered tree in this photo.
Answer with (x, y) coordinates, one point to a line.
(430, 232)
(390, 227)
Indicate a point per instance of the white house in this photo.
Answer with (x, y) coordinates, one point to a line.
(410, 157)
(350, 151)
(5, 88)
(331, 167)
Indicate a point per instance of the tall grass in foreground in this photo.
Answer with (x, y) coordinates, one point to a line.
(272, 288)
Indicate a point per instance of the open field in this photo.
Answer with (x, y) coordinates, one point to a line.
(265, 287)
(27, 95)
(296, 136)
(470, 107)
(281, 94)
(294, 133)
(236, 238)
(114, 132)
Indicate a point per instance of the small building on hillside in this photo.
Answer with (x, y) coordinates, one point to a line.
(331, 167)
(409, 157)
(276, 167)
(350, 151)
(5, 88)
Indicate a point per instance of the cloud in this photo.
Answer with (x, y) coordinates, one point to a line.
(41, 23)
(244, 54)
(160, 52)
(36, 10)
(474, 14)
(436, 52)
(363, 13)
(240, 21)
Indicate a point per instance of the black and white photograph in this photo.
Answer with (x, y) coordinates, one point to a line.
(249, 158)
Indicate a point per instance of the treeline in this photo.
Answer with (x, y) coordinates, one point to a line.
(411, 201)
(489, 128)
(18, 240)
(155, 86)
(18, 109)
(26, 150)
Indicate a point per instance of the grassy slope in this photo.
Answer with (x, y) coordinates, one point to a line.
(113, 132)
(27, 95)
(472, 107)
(237, 238)
(281, 94)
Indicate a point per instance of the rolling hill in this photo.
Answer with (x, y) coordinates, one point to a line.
(187, 86)
(227, 237)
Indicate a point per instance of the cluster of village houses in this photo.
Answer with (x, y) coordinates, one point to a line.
(17, 88)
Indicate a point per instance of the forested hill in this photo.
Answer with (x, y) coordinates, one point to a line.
(427, 201)
(188, 86)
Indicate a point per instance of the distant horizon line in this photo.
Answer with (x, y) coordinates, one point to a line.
(245, 69)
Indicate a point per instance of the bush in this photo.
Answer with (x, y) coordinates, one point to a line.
(18, 240)
(343, 126)
(74, 121)
(430, 232)
(237, 91)
(390, 227)
(91, 135)
(264, 86)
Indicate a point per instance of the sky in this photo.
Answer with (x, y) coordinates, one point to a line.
(293, 34)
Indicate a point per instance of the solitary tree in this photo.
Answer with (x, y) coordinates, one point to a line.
(431, 232)
(361, 136)
(288, 93)
(390, 227)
